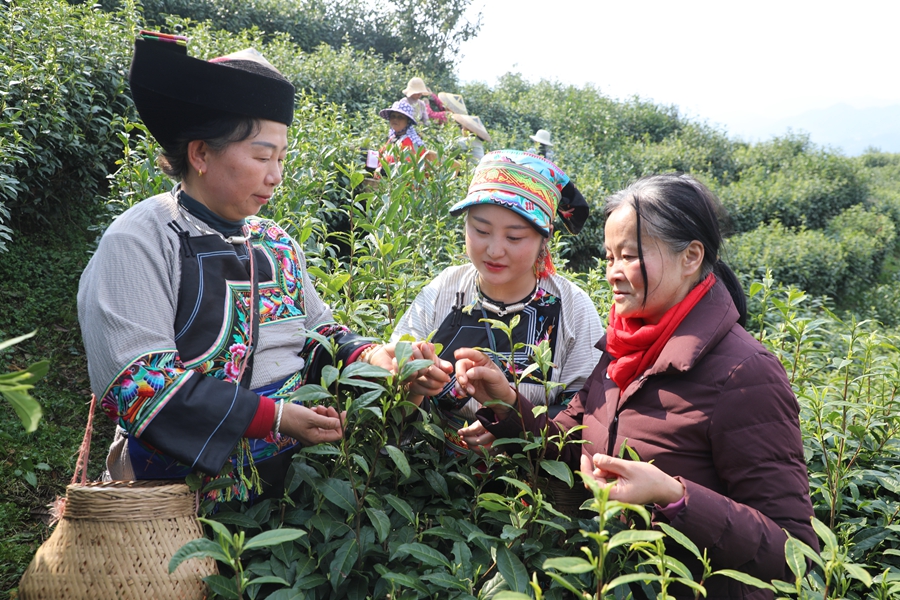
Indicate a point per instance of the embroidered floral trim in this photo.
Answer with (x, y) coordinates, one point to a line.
(143, 388)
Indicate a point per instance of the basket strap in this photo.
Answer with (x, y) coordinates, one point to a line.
(85, 450)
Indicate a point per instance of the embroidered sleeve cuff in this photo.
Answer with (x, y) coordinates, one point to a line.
(261, 425)
(354, 356)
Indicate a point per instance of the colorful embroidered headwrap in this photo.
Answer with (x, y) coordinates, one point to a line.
(530, 186)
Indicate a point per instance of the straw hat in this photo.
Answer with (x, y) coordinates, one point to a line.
(473, 124)
(415, 86)
(454, 103)
(400, 106)
(542, 136)
(174, 92)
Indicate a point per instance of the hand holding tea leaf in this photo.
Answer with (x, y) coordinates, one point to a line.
(633, 482)
(479, 377)
(476, 436)
(312, 425)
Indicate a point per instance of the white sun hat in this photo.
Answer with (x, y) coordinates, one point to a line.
(542, 136)
(415, 86)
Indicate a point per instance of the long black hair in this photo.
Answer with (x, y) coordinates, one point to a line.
(677, 209)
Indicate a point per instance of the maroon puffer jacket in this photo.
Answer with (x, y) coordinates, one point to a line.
(717, 411)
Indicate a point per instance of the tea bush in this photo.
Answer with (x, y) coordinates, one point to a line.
(570, 112)
(372, 517)
(792, 183)
(880, 173)
(695, 148)
(308, 23)
(842, 261)
(426, 38)
(61, 96)
(881, 303)
(866, 239)
(805, 258)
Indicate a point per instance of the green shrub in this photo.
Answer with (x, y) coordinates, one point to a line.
(820, 262)
(569, 112)
(61, 96)
(694, 148)
(775, 154)
(427, 38)
(881, 303)
(881, 173)
(789, 181)
(308, 23)
(808, 259)
(865, 238)
(357, 80)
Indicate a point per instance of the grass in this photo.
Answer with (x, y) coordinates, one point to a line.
(40, 274)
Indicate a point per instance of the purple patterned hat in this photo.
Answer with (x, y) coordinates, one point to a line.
(401, 106)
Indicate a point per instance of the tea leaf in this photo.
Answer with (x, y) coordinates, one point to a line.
(632, 536)
(339, 493)
(380, 522)
(560, 470)
(399, 459)
(512, 569)
(223, 586)
(568, 564)
(401, 507)
(682, 539)
(425, 554)
(273, 537)
(201, 548)
(445, 581)
(342, 564)
(745, 578)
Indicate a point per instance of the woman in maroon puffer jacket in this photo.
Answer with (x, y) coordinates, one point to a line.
(707, 408)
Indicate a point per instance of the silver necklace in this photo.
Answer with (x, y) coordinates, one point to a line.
(236, 240)
(501, 309)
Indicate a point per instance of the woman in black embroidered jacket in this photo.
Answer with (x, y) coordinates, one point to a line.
(193, 312)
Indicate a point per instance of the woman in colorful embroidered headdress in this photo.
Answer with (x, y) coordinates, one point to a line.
(709, 411)
(509, 211)
(191, 309)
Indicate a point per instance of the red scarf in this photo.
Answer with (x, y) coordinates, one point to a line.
(636, 345)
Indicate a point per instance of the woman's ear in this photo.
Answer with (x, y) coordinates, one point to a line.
(198, 155)
(692, 257)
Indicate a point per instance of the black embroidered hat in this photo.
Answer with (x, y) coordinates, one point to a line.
(175, 93)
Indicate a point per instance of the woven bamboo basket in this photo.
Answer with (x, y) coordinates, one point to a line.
(115, 540)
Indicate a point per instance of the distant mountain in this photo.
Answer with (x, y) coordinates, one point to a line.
(841, 126)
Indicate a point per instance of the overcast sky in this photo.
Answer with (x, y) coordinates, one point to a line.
(726, 62)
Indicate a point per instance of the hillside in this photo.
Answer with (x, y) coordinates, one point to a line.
(813, 237)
